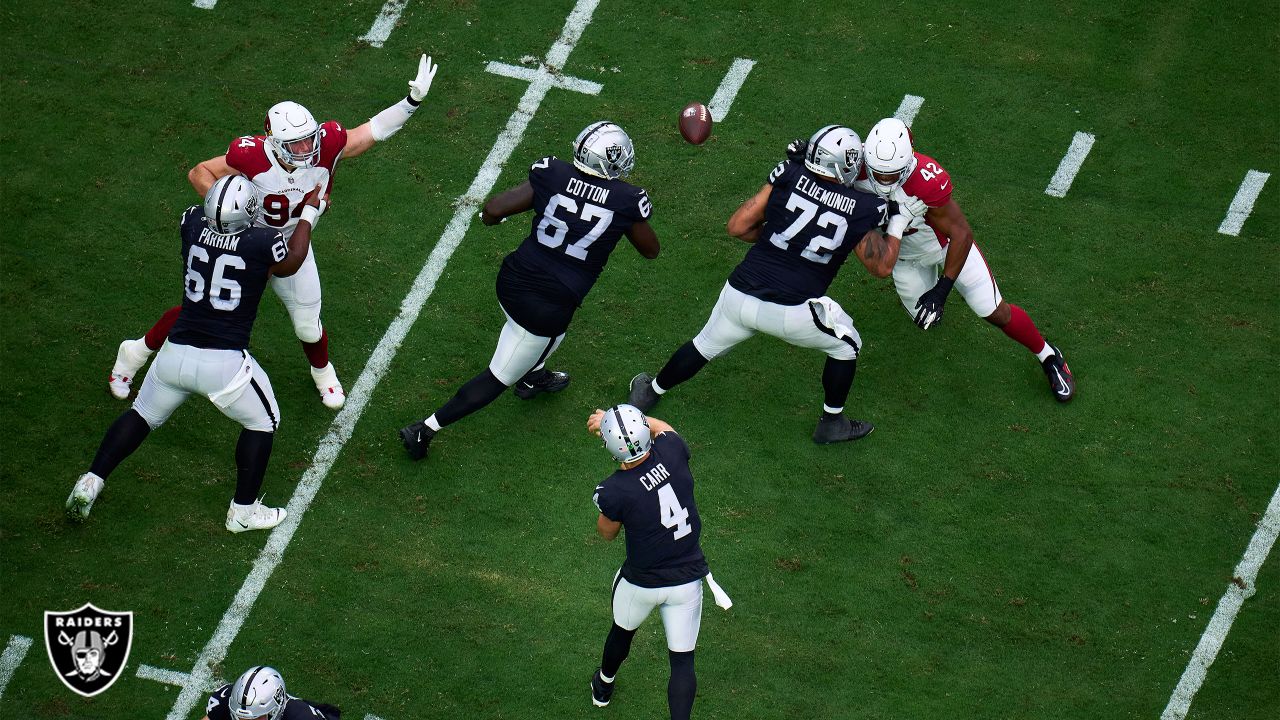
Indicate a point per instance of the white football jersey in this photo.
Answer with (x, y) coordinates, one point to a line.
(282, 192)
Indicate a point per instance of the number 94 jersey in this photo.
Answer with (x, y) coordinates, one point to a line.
(654, 502)
(578, 219)
(282, 191)
(810, 227)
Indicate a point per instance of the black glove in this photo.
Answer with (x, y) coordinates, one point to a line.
(797, 149)
(929, 306)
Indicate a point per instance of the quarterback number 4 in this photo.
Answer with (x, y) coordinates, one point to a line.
(673, 514)
(219, 283)
(552, 230)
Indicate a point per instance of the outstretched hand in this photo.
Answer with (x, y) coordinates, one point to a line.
(419, 86)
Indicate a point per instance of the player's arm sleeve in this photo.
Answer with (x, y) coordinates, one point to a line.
(606, 503)
(672, 441)
(779, 171)
(936, 192)
(216, 708)
(643, 206)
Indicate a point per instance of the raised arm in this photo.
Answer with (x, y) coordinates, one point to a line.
(204, 175)
(746, 221)
(389, 121)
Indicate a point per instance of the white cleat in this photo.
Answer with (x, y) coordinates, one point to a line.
(331, 392)
(254, 517)
(82, 496)
(130, 358)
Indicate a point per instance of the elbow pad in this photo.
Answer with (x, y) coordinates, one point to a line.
(389, 121)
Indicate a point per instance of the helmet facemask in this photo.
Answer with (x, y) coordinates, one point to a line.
(294, 134)
(889, 156)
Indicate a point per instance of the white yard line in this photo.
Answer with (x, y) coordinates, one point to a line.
(729, 87)
(1242, 205)
(563, 82)
(14, 652)
(1070, 165)
(386, 21)
(343, 425)
(372, 717)
(205, 4)
(1220, 624)
(908, 108)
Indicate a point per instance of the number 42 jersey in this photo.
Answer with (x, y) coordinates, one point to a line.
(578, 219)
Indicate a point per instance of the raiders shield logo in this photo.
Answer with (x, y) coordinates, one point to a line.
(851, 157)
(88, 647)
(613, 153)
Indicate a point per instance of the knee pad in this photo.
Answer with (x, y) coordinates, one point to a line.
(308, 330)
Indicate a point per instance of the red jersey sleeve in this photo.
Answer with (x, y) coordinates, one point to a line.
(248, 155)
(929, 182)
(333, 139)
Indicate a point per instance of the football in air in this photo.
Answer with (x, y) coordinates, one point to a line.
(695, 123)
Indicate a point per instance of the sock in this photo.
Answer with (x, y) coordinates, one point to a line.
(1021, 328)
(684, 364)
(837, 378)
(318, 351)
(616, 648)
(156, 335)
(1045, 354)
(252, 453)
(828, 410)
(683, 685)
(608, 678)
(122, 438)
(478, 392)
(433, 423)
(656, 387)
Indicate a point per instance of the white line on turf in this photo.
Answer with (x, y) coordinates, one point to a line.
(563, 82)
(1242, 204)
(1070, 165)
(1240, 589)
(386, 21)
(908, 108)
(343, 425)
(729, 87)
(12, 657)
(171, 677)
(205, 4)
(372, 717)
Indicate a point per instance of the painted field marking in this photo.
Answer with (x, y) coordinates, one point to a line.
(173, 677)
(564, 82)
(372, 717)
(729, 87)
(1070, 165)
(384, 23)
(12, 657)
(1239, 589)
(1242, 204)
(908, 108)
(344, 424)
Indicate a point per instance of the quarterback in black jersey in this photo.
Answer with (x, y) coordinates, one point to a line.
(651, 497)
(259, 693)
(803, 223)
(226, 265)
(580, 211)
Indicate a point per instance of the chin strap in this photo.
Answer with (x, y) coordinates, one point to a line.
(389, 121)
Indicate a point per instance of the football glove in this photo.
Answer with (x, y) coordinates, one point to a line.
(796, 150)
(929, 306)
(419, 86)
(910, 204)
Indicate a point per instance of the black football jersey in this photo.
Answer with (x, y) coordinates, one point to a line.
(224, 276)
(578, 219)
(810, 227)
(294, 709)
(654, 503)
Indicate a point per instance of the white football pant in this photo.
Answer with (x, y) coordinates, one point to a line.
(300, 294)
(737, 316)
(916, 276)
(680, 606)
(231, 379)
(520, 351)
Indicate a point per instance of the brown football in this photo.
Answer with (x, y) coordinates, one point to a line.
(695, 123)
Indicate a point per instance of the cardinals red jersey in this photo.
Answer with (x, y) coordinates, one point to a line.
(282, 190)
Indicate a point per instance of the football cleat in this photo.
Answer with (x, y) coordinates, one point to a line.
(601, 691)
(643, 396)
(82, 496)
(256, 517)
(130, 358)
(838, 428)
(417, 439)
(536, 382)
(326, 380)
(1061, 381)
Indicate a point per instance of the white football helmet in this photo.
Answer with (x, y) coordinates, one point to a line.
(293, 134)
(258, 693)
(835, 152)
(231, 205)
(890, 157)
(603, 149)
(626, 434)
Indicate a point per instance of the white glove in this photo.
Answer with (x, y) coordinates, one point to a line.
(898, 225)
(419, 86)
(910, 204)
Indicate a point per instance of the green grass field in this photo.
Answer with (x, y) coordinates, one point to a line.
(986, 553)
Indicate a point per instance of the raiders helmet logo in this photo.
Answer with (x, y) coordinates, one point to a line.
(613, 153)
(88, 647)
(850, 157)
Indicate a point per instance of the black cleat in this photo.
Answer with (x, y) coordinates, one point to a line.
(838, 428)
(601, 691)
(541, 381)
(642, 395)
(1061, 381)
(417, 439)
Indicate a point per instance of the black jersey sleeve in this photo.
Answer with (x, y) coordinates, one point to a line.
(642, 207)
(608, 502)
(216, 708)
(299, 709)
(675, 442)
